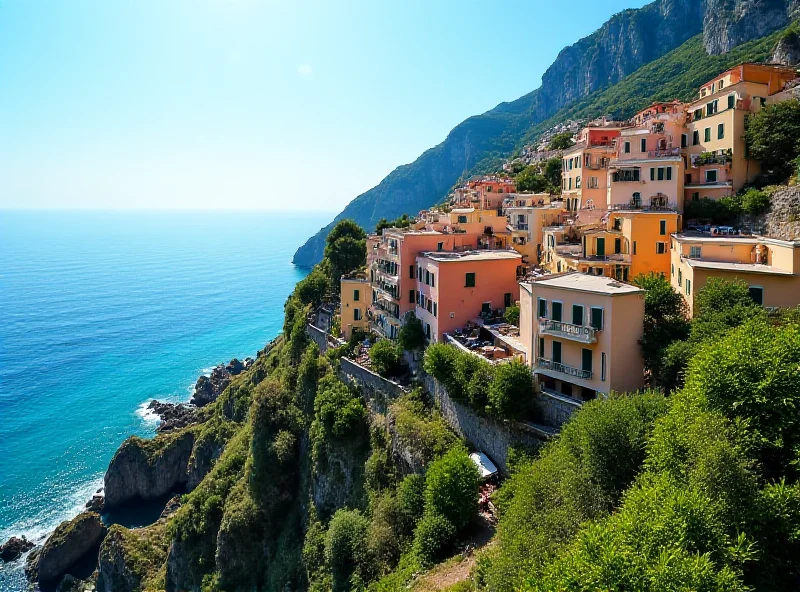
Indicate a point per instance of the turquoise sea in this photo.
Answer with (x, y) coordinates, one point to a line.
(100, 312)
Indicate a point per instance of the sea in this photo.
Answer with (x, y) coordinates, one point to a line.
(101, 312)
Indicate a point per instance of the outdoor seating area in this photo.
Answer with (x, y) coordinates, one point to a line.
(487, 341)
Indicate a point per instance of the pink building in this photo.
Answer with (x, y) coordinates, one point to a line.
(453, 288)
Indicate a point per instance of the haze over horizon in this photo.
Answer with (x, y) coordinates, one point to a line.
(241, 104)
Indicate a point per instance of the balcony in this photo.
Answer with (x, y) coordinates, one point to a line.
(564, 369)
(568, 331)
(664, 153)
(522, 227)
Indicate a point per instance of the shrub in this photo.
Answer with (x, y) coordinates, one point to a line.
(511, 315)
(421, 430)
(386, 357)
(755, 201)
(412, 335)
(477, 389)
(773, 137)
(346, 549)
(385, 537)
(511, 391)
(433, 538)
(451, 488)
(440, 362)
(410, 502)
(673, 365)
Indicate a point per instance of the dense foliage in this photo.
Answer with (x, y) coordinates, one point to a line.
(386, 357)
(773, 137)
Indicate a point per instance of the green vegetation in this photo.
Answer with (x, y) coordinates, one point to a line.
(773, 137)
(345, 250)
(412, 335)
(504, 391)
(511, 315)
(403, 221)
(421, 428)
(540, 177)
(560, 141)
(386, 357)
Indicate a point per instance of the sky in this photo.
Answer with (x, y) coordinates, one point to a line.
(253, 104)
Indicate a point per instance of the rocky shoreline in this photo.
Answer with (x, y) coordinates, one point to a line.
(141, 470)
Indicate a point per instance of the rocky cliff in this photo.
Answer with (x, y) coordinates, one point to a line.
(618, 48)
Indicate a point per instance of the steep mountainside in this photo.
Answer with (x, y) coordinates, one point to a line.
(623, 44)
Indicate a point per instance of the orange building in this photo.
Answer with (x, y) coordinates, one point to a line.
(582, 333)
(717, 163)
(771, 267)
(485, 193)
(453, 288)
(354, 300)
(527, 216)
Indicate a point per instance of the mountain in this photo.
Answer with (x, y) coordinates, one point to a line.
(622, 45)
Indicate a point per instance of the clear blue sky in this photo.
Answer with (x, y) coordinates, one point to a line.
(253, 104)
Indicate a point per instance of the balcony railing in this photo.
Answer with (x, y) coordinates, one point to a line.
(564, 369)
(651, 207)
(568, 330)
(519, 226)
(664, 153)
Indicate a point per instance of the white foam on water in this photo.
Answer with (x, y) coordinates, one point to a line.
(148, 416)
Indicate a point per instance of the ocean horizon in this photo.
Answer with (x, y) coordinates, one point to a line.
(104, 311)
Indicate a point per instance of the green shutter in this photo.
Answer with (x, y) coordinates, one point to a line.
(577, 314)
(652, 173)
(586, 360)
(597, 318)
(542, 308)
(470, 280)
(556, 352)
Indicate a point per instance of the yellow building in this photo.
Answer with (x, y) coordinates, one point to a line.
(354, 301)
(584, 178)
(716, 158)
(581, 334)
(771, 267)
(527, 216)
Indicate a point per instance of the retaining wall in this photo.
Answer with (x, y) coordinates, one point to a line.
(557, 409)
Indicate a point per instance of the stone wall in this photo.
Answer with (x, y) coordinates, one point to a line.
(322, 338)
(378, 391)
(489, 436)
(556, 409)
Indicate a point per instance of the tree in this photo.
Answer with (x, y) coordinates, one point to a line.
(530, 179)
(403, 221)
(451, 488)
(560, 141)
(511, 390)
(511, 315)
(552, 172)
(345, 250)
(719, 306)
(664, 320)
(773, 137)
(411, 336)
(755, 201)
(346, 549)
(386, 357)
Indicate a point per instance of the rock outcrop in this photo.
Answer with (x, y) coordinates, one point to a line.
(174, 416)
(787, 51)
(71, 542)
(729, 23)
(14, 548)
(148, 469)
(208, 388)
(127, 557)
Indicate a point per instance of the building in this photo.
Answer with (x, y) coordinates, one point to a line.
(354, 302)
(484, 193)
(567, 322)
(527, 216)
(647, 169)
(453, 288)
(391, 264)
(770, 267)
(717, 163)
(584, 178)
(623, 244)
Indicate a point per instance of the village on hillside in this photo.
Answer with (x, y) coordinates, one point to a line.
(548, 278)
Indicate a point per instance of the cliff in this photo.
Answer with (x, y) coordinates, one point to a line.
(621, 46)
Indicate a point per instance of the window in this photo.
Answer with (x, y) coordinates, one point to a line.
(603, 366)
(634, 247)
(462, 219)
(698, 114)
(586, 360)
(469, 282)
(688, 287)
(577, 315)
(652, 173)
(507, 299)
(757, 294)
(680, 277)
(557, 352)
(428, 330)
(707, 134)
(695, 252)
(433, 280)
(569, 183)
(731, 101)
(542, 308)
(593, 183)
(627, 148)
(660, 173)
(427, 278)
(711, 176)
(435, 310)
(419, 274)
(696, 196)
(721, 84)
(617, 245)
(412, 296)
(644, 145)
(541, 347)
(662, 228)
(672, 270)
(669, 173)
(356, 295)
(720, 131)
(695, 137)
(661, 248)
(556, 311)
(596, 318)
(578, 182)
(684, 140)
(356, 314)
(440, 247)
